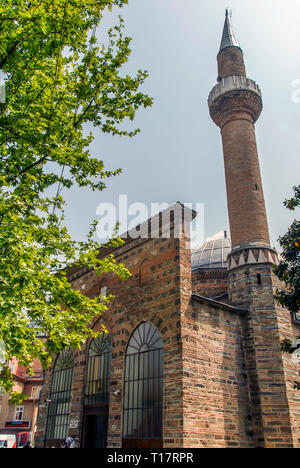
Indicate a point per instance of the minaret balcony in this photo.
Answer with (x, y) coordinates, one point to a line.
(235, 97)
(233, 83)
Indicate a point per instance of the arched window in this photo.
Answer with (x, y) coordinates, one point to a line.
(96, 399)
(143, 392)
(98, 371)
(60, 396)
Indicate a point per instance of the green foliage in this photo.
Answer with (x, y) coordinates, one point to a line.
(286, 346)
(295, 201)
(288, 270)
(296, 385)
(6, 376)
(59, 81)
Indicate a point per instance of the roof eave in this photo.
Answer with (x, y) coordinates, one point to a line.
(218, 304)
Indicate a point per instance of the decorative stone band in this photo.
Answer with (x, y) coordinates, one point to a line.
(252, 256)
(233, 83)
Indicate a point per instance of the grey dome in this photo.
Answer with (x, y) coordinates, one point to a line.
(211, 255)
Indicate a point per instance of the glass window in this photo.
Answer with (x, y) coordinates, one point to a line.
(19, 412)
(98, 371)
(143, 400)
(35, 392)
(60, 396)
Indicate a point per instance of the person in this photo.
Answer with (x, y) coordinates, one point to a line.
(70, 443)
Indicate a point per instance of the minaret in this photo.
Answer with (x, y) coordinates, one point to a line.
(235, 104)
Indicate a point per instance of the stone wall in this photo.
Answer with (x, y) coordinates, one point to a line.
(216, 401)
(226, 382)
(158, 291)
(210, 283)
(291, 331)
(275, 404)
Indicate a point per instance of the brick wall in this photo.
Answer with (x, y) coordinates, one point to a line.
(210, 283)
(275, 405)
(290, 330)
(246, 206)
(216, 402)
(231, 62)
(226, 383)
(158, 291)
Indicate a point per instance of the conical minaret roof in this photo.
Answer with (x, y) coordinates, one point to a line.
(228, 38)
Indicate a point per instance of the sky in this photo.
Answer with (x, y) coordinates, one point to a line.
(178, 155)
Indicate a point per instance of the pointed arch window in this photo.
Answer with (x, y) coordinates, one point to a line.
(60, 397)
(98, 371)
(143, 391)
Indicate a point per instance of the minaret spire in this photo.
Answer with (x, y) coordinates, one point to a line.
(228, 38)
(230, 56)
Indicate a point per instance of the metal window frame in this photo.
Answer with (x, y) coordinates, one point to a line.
(143, 385)
(59, 409)
(98, 372)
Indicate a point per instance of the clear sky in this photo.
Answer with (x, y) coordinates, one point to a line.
(178, 155)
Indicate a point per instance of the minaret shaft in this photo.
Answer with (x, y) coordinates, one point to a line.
(231, 63)
(246, 205)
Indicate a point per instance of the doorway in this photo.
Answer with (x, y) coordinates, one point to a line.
(95, 431)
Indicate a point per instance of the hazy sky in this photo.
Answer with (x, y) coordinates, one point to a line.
(178, 155)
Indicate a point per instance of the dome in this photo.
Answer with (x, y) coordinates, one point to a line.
(211, 255)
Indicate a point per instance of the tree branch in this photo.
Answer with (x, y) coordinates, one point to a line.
(10, 51)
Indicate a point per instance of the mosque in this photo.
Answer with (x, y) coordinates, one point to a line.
(192, 357)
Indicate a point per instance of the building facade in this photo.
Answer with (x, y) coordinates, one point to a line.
(192, 358)
(21, 419)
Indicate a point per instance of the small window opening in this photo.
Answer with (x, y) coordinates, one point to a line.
(259, 279)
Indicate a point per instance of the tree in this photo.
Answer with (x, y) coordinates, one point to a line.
(288, 269)
(59, 81)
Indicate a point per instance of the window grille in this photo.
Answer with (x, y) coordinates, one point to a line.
(143, 392)
(60, 396)
(98, 371)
